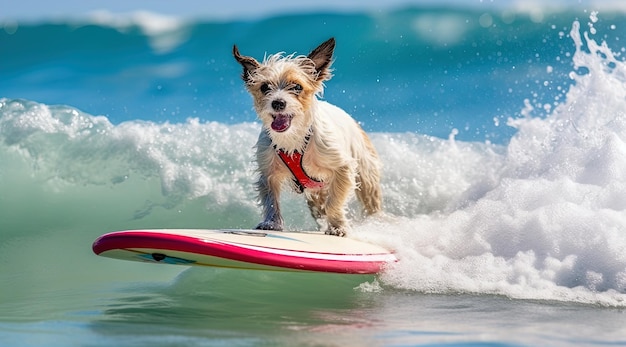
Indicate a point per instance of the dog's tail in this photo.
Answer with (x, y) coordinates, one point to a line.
(368, 179)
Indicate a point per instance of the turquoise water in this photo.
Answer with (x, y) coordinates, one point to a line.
(503, 139)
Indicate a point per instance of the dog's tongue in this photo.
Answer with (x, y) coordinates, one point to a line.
(281, 122)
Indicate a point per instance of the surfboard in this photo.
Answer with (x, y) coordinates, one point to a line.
(246, 249)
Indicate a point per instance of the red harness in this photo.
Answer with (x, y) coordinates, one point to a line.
(294, 164)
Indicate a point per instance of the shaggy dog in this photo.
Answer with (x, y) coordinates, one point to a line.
(315, 146)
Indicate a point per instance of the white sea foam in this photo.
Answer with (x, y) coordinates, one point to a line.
(550, 222)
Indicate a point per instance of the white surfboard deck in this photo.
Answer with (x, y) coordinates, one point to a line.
(246, 249)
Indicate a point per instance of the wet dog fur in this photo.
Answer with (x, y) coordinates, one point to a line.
(336, 151)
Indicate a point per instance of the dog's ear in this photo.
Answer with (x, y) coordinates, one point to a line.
(322, 58)
(249, 64)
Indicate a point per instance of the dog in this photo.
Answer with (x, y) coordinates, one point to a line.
(314, 146)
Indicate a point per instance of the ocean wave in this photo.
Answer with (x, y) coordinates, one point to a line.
(551, 226)
(540, 217)
(165, 33)
(428, 70)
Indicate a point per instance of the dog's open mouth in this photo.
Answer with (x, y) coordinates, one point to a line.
(281, 122)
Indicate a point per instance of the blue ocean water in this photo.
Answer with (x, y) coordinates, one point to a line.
(503, 139)
(417, 70)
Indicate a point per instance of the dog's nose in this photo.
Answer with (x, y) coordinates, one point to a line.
(279, 105)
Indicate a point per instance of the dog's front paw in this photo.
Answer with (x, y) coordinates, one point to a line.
(341, 232)
(270, 225)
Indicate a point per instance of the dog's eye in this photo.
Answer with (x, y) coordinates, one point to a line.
(265, 88)
(297, 88)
